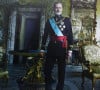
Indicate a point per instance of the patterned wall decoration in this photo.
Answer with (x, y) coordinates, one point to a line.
(98, 22)
(83, 17)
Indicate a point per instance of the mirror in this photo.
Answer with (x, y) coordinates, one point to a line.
(83, 19)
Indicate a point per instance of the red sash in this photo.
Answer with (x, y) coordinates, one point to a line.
(62, 39)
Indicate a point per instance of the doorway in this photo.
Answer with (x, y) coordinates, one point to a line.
(32, 32)
(29, 36)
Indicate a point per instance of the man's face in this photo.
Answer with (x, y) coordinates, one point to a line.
(58, 9)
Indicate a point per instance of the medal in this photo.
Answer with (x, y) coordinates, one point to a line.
(62, 23)
(64, 26)
(60, 26)
(62, 29)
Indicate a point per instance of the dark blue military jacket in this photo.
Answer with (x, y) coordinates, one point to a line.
(55, 49)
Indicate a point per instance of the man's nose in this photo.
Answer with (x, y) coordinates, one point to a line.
(58, 9)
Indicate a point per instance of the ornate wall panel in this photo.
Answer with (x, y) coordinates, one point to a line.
(83, 19)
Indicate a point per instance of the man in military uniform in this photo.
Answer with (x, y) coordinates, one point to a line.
(59, 30)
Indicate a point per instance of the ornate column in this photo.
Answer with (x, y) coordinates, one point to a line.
(11, 35)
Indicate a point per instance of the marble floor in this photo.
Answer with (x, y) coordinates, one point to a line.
(72, 78)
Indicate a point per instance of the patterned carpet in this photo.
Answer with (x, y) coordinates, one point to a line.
(72, 78)
(73, 74)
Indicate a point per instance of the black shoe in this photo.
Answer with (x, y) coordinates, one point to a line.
(19, 81)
